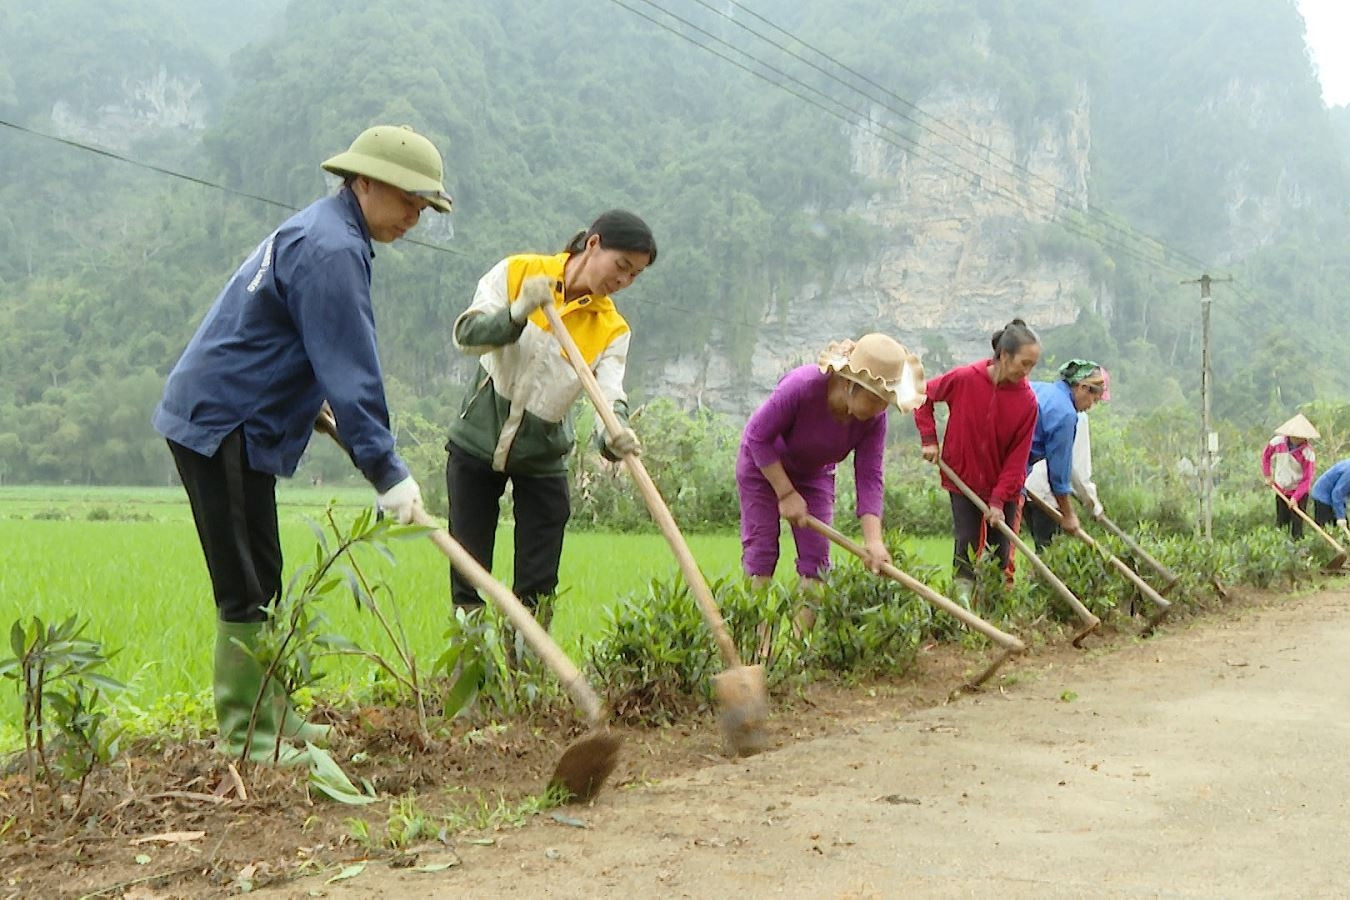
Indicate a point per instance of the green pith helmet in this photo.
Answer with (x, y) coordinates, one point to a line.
(396, 155)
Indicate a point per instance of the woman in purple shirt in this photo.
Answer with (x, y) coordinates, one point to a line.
(814, 418)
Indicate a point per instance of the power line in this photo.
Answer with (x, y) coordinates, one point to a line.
(899, 141)
(906, 142)
(1103, 217)
(193, 179)
(977, 178)
(202, 182)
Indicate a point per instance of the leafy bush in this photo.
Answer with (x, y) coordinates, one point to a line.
(58, 674)
(655, 659)
(299, 634)
(1266, 557)
(488, 669)
(691, 457)
(865, 624)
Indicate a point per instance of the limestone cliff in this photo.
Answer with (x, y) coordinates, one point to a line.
(162, 101)
(952, 260)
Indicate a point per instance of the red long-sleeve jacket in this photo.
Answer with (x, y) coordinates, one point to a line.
(989, 429)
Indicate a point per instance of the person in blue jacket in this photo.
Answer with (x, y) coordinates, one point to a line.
(293, 329)
(1081, 384)
(1329, 493)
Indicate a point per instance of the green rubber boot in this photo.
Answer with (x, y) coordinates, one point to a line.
(295, 727)
(963, 592)
(238, 679)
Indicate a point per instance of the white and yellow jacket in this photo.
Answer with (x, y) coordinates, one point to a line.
(518, 415)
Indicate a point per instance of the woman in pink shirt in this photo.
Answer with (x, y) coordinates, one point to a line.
(816, 416)
(1288, 463)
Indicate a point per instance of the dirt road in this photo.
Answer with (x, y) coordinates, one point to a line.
(1211, 761)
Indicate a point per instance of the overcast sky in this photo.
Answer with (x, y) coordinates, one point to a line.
(1328, 23)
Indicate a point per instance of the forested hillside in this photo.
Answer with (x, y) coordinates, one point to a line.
(1206, 130)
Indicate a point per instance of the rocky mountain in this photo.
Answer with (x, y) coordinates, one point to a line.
(951, 262)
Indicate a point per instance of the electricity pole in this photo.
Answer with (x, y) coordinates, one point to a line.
(1211, 437)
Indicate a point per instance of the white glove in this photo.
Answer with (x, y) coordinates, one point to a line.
(625, 443)
(534, 293)
(402, 500)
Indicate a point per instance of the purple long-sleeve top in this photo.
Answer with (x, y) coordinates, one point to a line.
(794, 427)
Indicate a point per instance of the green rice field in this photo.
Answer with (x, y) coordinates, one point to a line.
(127, 560)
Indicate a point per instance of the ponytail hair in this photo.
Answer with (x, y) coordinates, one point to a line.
(1013, 337)
(618, 230)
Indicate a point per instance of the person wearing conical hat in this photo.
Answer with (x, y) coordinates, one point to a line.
(1288, 462)
(291, 331)
(815, 417)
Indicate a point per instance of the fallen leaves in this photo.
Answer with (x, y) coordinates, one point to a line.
(348, 872)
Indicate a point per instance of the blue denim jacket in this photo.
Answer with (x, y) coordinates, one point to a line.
(1056, 426)
(293, 327)
(1333, 486)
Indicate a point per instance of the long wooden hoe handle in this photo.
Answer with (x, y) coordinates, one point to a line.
(908, 581)
(1326, 536)
(1089, 620)
(1135, 548)
(535, 635)
(657, 506)
(1115, 561)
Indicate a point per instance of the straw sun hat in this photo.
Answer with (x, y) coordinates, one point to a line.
(1298, 427)
(882, 365)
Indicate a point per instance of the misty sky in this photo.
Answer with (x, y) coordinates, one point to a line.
(1328, 24)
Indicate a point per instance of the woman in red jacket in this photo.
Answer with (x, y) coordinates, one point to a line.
(991, 415)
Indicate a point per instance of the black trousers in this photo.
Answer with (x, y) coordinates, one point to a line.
(235, 510)
(1285, 517)
(1323, 514)
(973, 535)
(542, 507)
(1043, 528)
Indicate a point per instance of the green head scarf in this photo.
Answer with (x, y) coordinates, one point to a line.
(1075, 370)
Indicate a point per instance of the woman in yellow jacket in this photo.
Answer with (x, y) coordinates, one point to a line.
(515, 423)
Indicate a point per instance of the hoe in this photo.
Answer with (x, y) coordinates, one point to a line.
(1090, 622)
(741, 692)
(590, 759)
(1161, 606)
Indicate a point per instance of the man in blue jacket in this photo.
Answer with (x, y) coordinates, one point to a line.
(292, 329)
(1329, 494)
(1082, 383)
